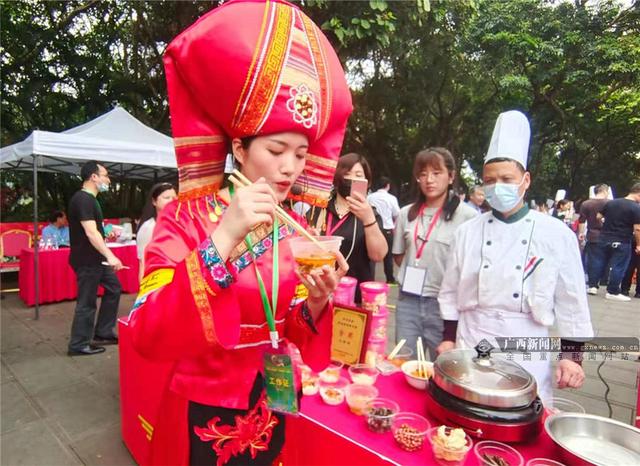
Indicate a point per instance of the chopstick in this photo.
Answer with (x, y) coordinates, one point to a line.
(240, 180)
(421, 359)
(397, 348)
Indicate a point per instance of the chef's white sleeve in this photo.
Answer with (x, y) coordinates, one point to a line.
(570, 298)
(448, 295)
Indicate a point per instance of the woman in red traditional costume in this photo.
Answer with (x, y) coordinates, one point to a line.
(261, 78)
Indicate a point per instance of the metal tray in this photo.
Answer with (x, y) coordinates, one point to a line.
(589, 439)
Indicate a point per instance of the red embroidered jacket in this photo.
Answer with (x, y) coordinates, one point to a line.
(208, 316)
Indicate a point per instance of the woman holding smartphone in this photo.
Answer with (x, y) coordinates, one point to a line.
(421, 246)
(350, 215)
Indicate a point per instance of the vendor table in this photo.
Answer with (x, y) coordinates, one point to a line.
(331, 435)
(58, 280)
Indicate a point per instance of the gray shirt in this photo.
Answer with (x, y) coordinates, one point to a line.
(436, 251)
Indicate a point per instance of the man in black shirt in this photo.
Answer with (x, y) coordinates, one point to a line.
(88, 252)
(621, 224)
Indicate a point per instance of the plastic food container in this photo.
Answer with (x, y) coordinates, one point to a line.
(345, 292)
(308, 255)
(363, 374)
(375, 350)
(490, 453)
(379, 325)
(359, 396)
(333, 393)
(380, 414)
(332, 372)
(446, 450)
(410, 430)
(374, 296)
(543, 462)
(402, 356)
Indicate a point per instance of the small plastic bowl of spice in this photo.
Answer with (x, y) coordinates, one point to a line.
(450, 445)
(410, 430)
(331, 373)
(492, 453)
(363, 374)
(359, 396)
(380, 414)
(333, 393)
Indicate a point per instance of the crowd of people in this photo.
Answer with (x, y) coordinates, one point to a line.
(220, 291)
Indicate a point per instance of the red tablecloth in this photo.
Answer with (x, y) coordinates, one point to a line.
(58, 280)
(330, 435)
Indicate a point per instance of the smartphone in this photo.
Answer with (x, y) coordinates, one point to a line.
(359, 185)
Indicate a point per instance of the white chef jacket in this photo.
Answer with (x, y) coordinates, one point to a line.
(519, 277)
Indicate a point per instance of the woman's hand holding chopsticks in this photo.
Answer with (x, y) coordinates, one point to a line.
(250, 206)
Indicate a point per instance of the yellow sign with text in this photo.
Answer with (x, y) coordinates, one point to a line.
(349, 334)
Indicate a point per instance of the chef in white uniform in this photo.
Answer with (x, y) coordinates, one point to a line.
(515, 272)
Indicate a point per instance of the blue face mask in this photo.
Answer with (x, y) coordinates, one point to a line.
(103, 187)
(503, 196)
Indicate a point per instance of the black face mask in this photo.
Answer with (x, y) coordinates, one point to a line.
(344, 187)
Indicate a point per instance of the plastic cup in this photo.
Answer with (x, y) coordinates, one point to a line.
(543, 462)
(345, 292)
(490, 449)
(331, 373)
(405, 354)
(374, 296)
(309, 255)
(333, 393)
(410, 430)
(359, 396)
(363, 374)
(447, 456)
(380, 414)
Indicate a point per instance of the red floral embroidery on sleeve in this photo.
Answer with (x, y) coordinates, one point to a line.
(252, 431)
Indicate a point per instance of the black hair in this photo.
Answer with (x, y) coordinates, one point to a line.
(346, 163)
(90, 168)
(505, 159)
(382, 182)
(635, 188)
(149, 210)
(55, 215)
(435, 157)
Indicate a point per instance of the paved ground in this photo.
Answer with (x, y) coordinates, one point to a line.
(58, 410)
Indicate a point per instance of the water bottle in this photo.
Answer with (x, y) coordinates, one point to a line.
(48, 246)
(41, 244)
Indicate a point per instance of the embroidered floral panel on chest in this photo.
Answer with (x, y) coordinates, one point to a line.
(259, 248)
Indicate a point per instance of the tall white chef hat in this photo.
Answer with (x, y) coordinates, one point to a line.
(510, 138)
(560, 194)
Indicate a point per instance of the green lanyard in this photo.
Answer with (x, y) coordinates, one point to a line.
(269, 308)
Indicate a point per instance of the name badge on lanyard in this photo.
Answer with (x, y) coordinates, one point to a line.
(415, 276)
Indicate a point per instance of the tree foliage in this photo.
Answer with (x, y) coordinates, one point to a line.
(422, 73)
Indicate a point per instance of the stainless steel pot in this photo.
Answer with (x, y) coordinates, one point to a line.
(478, 378)
(586, 439)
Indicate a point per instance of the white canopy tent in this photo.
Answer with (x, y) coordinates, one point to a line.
(128, 148)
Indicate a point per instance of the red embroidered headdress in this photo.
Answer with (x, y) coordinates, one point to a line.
(254, 68)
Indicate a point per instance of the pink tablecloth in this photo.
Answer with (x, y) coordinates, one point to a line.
(58, 280)
(330, 435)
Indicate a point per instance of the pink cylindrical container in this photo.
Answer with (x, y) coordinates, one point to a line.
(345, 291)
(374, 297)
(375, 350)
(379, 325)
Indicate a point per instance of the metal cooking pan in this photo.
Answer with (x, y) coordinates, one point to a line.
(586, 439)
